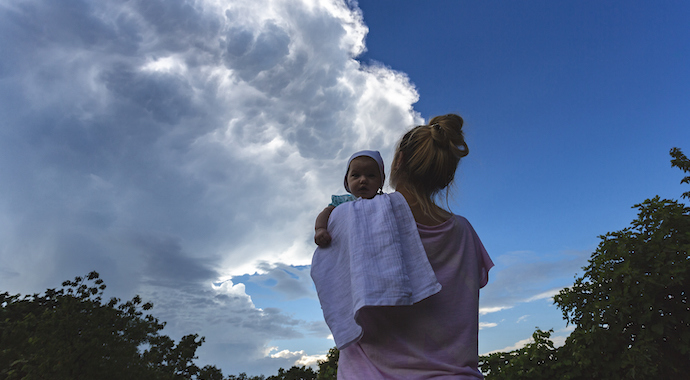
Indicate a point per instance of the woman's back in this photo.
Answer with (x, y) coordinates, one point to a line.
(434, 338)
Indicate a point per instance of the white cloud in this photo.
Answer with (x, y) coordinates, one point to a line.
(297, 358)
(544, 295)
(310, 360)
(233, 290)
(286, 354)
(558, 341)
(173, 145)
(488, 310)
(486, 325)
(518, 345)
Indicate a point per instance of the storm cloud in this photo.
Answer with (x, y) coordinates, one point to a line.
(172, 145)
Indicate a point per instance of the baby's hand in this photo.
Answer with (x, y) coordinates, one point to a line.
(322, 238)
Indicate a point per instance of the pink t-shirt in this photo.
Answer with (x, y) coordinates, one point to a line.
(435, 338)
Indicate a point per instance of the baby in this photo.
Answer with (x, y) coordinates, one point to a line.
(363, 179)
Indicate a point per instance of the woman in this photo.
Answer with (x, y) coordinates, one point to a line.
(435, 338)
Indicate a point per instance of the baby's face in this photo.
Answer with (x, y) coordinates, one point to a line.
(364, 177)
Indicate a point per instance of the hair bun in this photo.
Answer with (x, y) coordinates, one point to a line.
(427, 157)
(446, 132)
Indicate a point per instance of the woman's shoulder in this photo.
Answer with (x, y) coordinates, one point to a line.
(460, 219)
(462, 222)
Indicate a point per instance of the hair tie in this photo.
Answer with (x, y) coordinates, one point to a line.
(436, 125)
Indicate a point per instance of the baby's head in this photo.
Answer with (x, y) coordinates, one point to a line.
(364, 176)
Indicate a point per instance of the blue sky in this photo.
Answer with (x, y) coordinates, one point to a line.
(570, 109)
(182, 149)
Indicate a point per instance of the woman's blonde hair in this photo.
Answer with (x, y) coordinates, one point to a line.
(430, 157)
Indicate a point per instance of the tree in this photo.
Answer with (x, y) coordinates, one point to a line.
(328, 369)
(210, 372)
(535, 361)
(683, 163)
(243, 376)
(71, 333)
(294, 373)
(630, 307)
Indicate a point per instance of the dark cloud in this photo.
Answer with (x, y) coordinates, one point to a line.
(165, 97)
(167, 263)
(318, 329)
(170, 145)
(250, 55)
(179, 25)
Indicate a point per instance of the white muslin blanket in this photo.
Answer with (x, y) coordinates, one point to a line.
(376, 258)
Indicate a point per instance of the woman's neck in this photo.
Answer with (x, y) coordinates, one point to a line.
(438, 215)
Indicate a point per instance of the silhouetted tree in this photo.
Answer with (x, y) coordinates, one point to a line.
(71, 333)
(243, 376)
(630, 307)
(294, 373)
(328, 369)
(535, 361)
(683, 163)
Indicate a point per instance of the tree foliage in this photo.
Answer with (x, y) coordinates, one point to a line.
(535, 361)
(72, 333)
(328, 369)
(683, 163)
(294, 373)
(630, 307)
(243, 376)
